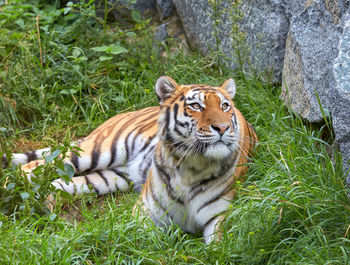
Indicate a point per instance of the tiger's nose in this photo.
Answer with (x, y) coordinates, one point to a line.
(220, 128)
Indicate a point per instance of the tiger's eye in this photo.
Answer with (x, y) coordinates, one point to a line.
(225, 106)
(196, 106)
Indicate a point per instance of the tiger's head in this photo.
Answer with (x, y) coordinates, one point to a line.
(198, 119)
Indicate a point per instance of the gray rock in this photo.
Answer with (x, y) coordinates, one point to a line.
(161, 34)
(265, 24)
(165, 8)
(198, 26)
(345, 150)
(311, 48)
(145, 6)
(317, 63)
(340, 98)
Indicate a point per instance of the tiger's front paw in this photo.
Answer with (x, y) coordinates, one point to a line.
(213, 231)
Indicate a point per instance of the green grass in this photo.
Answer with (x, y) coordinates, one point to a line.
(292, 208)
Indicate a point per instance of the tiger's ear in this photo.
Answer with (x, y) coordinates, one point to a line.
(230, 87)
(165, 87)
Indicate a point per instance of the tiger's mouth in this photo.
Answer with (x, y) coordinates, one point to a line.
(218, 145)
(205, 145)
(218, 150)
(213, 141)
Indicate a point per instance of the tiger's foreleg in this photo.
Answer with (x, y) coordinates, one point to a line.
(101, 182)
(213, 229)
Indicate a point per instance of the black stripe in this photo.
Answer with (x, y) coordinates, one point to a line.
(31, 156)
(115, 142)
(204, 182)
(144, 173)
(75, 161)
(120, 131)
(234, 120)
(218, 196)
(100, 173)
(210, 220)
(168, 136)
(147, 143)
(202, 188)
(198, 187)
(127, 151)
(178, 132)
(140, 128)
(113, 152)
(96, 153)
(120, 174)
(177, 122)
(205, 89)
(133, 144)
(167, 118)
(151, 122)
(89, 183)
(227, 164)
(95, 158)
(176, 110)
(154, 197)
(166, 179)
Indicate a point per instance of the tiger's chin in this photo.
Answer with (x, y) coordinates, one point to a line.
(218, 151)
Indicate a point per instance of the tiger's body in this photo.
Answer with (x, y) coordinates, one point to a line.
(184, 156)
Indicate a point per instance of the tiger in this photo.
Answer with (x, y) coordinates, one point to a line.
(183, 156)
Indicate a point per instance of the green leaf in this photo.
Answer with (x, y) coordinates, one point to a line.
(76, 53)
(110, 49)
(52, 217)
(105, 58)
(117, 49)
(136, 15)
(20, 23)
(45, 28)
(51, 157)
(10, 186)
(100, 48)
(69, 170)
(66, 173)
(118, 99)
(25, 196)
(64, 194)
(68, 91)
(67, 10)
(131, 34)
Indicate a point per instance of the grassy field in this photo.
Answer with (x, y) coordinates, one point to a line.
(63, 72)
